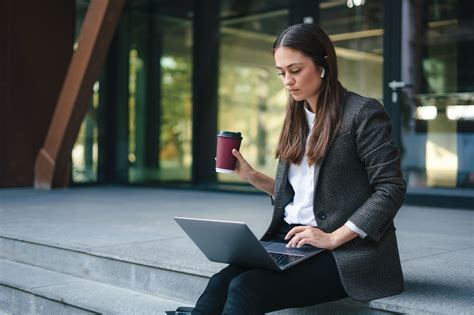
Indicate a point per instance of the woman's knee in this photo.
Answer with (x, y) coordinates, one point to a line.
(217, 282)
(244, 291)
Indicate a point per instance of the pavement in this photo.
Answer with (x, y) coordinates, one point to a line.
(136, 226)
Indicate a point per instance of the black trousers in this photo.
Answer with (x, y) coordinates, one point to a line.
(239, 290)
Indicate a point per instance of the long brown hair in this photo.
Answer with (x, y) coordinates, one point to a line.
(314, 43)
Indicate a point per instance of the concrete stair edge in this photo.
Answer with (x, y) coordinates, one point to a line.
(113, 271)
(20, 301)
(88, 297)
(391, 307)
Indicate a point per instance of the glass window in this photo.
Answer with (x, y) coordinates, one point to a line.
(159, 49)
(356, 29)
(438, 104)
(252, 99)
(84, 154)
(160, 94)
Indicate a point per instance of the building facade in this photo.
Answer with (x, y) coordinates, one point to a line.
(178, 71)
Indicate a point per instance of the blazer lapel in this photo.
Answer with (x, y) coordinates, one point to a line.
(281, 183)
(317, 167)
(317, 171)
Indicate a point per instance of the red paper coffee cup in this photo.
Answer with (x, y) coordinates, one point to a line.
(226, 141)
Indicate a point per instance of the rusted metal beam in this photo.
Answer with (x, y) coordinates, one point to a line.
(54, 158)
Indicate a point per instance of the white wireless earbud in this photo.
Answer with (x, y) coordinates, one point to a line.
(323, 73)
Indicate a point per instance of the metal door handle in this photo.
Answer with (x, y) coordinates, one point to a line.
(395, 85)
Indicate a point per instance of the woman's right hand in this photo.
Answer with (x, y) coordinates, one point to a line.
(253, 177)
(242, 167)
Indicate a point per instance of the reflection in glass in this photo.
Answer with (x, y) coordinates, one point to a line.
(84, 154)
(176, 127)
(357, 33)
(252, 99)
(160, 104)
(438, 105)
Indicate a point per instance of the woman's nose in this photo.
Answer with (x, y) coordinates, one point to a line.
(289, 80)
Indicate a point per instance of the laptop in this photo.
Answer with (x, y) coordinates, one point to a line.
(234, 243)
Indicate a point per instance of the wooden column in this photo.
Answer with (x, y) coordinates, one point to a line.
(53, 161)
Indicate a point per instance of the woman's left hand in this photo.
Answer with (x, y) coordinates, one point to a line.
(301, 235)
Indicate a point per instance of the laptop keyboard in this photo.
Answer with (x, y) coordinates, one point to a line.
(284, 259)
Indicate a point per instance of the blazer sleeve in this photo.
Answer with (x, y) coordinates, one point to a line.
(381, 159)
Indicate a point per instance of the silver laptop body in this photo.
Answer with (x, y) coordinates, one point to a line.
(234, 243)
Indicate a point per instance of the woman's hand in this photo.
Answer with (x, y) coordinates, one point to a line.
(242, 167)
(306, 234)
(301, 235)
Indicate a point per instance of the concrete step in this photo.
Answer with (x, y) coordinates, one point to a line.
(107, 269)
(26, 289)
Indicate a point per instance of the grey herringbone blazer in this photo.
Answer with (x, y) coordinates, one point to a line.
(358, 180)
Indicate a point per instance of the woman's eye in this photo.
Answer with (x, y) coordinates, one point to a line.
(281, 73)
(295, 71)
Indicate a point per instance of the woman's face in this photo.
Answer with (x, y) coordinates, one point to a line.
(300, 76)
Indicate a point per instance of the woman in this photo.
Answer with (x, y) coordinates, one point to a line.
(338, 186)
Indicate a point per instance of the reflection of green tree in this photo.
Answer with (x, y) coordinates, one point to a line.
(176, 108)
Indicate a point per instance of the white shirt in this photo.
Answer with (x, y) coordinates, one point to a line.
(301, 178)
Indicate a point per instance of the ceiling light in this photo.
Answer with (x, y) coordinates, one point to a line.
(426, 112)
(357, 3)
(460, 112)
